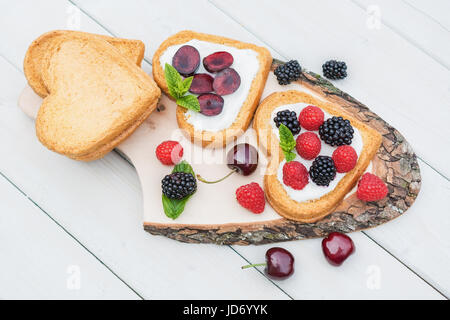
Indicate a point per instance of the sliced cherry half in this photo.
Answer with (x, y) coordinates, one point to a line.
(226, 82)
(201, 83)
(210, 104)
(242, 158)
(186, 60)
(218, 61)
(279, 264)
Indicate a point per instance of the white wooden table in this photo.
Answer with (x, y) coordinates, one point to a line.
(73, 230)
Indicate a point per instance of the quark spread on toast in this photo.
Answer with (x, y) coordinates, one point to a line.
(312, 191)
(245, 63)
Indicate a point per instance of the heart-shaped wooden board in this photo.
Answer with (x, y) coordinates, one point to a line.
(213, 215)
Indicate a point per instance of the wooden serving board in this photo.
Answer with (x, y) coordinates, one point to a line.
(213, 215)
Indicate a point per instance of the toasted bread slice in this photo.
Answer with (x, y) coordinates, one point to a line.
(316, 209)
(96, 99)
(241, 122)
(32, 66)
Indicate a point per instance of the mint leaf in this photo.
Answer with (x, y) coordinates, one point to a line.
(289, 156)
(186, 85)
(189, 102)
(173, 80)
(287, 142)
(174, 207)
(179, 87)
(183, 166)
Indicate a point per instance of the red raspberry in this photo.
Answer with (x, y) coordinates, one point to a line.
(295, 175)
(169, 152)
(251, 197)
(311, 118)
(344, 158)
(308, 145)
(371, 188)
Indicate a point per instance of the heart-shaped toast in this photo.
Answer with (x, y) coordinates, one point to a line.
(251, 65)
(32, 66)
(97, 97)
(313, 202)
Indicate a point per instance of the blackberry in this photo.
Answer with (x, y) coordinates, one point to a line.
(288, 72)
(178, 185)
(322, 171)
(334, 69)
(289, 119)
(336, 131)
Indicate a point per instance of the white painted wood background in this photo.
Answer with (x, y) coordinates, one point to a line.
(72, 230)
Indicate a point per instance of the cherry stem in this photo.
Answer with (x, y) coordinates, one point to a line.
(254, 265)
(199, 177)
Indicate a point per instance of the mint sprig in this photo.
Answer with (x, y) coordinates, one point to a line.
(188, 101)
(179, 87)
(287, 142)
(174, 207)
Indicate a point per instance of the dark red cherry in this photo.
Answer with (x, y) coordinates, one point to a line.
(186, 60)
(226, 82)
(279, 264)
(201, 83)
(218, 61)
(243, 158)
(210, 104)
(337, 247)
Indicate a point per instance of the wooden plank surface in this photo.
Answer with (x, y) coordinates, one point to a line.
(245, 14)
(436, 10)
(367, 274)
(436, 214)
(29, 240)
(100, 202)
(414, 25)
(397, 80)
(420, 237)
(420, 242)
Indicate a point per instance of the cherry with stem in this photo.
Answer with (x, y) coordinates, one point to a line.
(242, 158)
(279, 264)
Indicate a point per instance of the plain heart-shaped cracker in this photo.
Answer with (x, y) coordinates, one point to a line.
(97, 98)
(33, 66)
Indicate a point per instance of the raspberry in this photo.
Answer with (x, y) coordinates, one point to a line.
(295, 175)
(251, 197)
(371, 188)
(344, 158)
(308, 145)
(169, 152)
(311, 118)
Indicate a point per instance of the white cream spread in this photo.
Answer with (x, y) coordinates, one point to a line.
(312, 191)
(245, 63)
